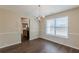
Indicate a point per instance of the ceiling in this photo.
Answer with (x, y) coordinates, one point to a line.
(33, 10)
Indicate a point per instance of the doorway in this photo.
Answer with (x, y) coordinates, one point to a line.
(25, 29)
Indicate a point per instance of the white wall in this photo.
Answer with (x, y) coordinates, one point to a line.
(73, 40)
(34, 28)
(9, 28)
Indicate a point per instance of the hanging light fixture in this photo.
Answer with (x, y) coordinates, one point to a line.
(39, 15)
(39, 8)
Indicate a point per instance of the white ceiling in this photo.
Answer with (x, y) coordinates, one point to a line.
(33, 10)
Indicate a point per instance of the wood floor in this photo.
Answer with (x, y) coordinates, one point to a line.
(38, 46)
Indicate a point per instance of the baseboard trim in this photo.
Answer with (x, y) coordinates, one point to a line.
(9, 38)
(59, 43)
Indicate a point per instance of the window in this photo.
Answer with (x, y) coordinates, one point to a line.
(57, 26)
(50, 27)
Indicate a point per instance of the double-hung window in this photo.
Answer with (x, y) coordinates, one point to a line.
(57, 26)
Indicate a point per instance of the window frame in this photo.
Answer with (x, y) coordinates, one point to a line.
(62, 36)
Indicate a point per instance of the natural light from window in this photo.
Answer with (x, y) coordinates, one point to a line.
(57, 26)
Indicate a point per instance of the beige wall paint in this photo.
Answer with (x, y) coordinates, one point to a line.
(73, 40)
(9, 28)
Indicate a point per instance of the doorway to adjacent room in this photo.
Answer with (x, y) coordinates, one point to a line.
(25, 29)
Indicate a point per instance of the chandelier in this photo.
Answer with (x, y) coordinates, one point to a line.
(39, 13)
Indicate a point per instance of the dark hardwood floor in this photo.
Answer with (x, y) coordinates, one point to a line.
(38, 46)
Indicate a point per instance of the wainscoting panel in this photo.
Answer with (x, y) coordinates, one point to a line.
(9, 38)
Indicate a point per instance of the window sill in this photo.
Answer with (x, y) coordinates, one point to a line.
(58, 36)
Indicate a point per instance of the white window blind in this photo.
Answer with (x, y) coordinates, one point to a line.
(57, 26)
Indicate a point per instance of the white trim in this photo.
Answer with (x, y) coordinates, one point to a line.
(73, 33)
(9, 38)
(8, 33)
